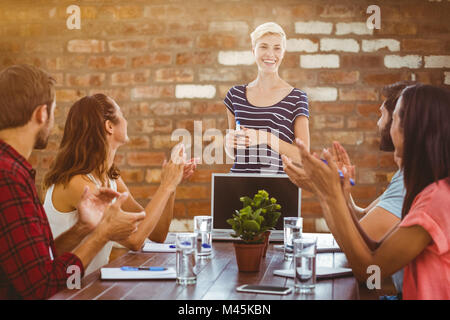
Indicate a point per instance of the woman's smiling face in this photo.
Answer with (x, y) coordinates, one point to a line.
(269, 52)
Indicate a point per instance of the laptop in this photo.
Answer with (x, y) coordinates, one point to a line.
(227, 188)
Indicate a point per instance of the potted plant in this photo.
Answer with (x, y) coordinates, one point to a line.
(252, 224)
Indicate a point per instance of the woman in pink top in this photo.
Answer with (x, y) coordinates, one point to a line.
(421, 242)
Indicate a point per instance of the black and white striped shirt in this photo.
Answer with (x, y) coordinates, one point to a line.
(279, 119)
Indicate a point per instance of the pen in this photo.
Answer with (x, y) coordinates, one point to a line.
(352, 182)
(127, 268)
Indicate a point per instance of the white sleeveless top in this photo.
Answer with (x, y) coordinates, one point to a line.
(60, 222)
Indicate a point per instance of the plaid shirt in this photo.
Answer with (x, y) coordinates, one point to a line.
(28, 269)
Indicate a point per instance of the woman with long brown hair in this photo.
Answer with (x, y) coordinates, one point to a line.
(421, 242)
(95, 128)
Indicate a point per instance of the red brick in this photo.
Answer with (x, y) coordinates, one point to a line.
(396, 29)
(179, 210)
(155, 58)
(127, 45)
(188, 124)
(205, 107)
(334, 108)
(149, 92)
(368, 124)
(383, 78)
(387, 160)
(363, 94)
(86, 46)
(181, 26)
(138, 142)
(202, 175)
(365, 160)
(174, 75)
(132, 175)
(198, 57)
(66, 62)
(216, 41)
(69, 95)
(193, 192)
(107, 62)
(118, 94)
(429, 77)
(163, 142)
(123, 12)
(291, 60)
(166, 12)
(325, 138)
(311, 209)
(362, 62)
(85, 80)
(198, 208)
(369, 109)
(130, 78)
(145, 158)
(337, 11)
(172, 42)
(338, 77)
(140, 28)
(327, 122)
(296, 75)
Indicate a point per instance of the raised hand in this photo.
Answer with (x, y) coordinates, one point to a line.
(92, 205)
(173, 170)
(324, 177)
(117, 224)
(296, 174)
(189, 168)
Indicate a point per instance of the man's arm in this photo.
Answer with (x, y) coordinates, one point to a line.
(25, 254)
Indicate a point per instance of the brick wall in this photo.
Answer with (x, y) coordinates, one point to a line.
(168, 63)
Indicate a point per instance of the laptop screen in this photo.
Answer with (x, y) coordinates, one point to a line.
(228, 188)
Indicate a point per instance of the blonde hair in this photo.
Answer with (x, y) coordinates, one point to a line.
(268, 28)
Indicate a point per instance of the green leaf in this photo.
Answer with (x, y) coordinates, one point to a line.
(251, 225)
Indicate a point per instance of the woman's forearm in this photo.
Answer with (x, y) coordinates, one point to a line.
(154, 211)
(284, 148)
(159, 234)
(349, 235)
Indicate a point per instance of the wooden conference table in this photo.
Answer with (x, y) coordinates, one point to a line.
(218, 279)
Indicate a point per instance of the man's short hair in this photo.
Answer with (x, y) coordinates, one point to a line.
(22, 89)
(392, 92)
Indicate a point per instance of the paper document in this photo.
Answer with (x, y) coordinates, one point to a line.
(159, 247)
(321, 272)
(118, 273)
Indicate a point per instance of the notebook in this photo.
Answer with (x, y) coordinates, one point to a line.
(159, 247)
(321, 272)
(119, 274)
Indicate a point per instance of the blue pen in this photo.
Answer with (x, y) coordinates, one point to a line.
(172, 246)
(126, 268)
(352, 182)
(238, 125)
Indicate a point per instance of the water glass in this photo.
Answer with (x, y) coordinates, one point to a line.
(203, 229)
(292, 230)
(305, 250)
(186, 244)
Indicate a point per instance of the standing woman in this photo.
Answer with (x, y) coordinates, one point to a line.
(95, 128)
(270, 112)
